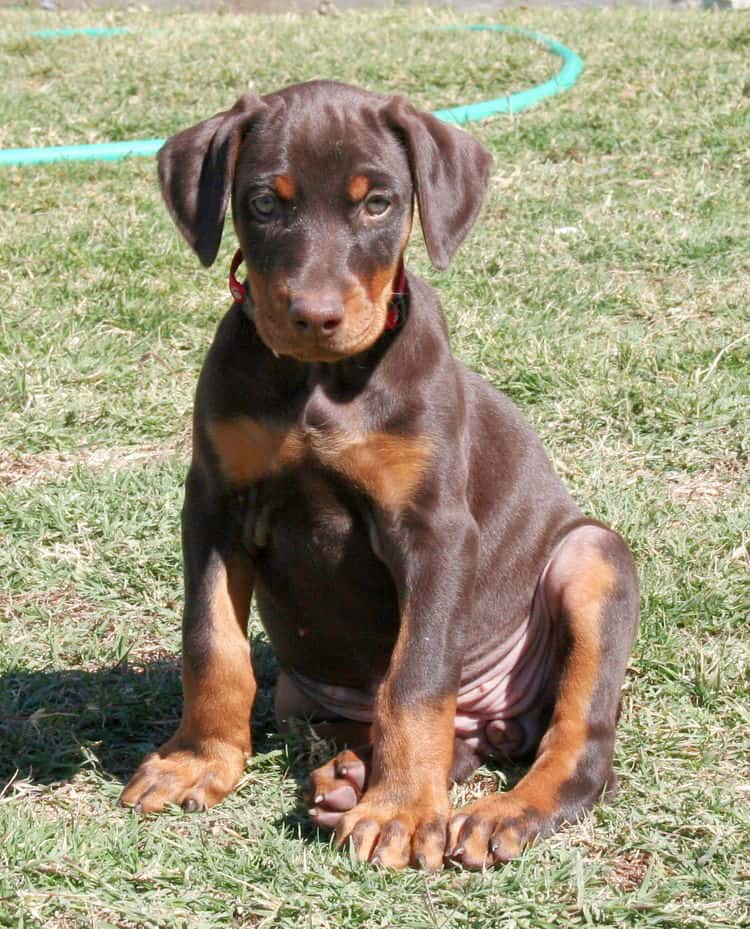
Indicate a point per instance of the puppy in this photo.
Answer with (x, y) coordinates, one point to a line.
(433, 594)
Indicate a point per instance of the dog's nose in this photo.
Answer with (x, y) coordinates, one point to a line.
(317, 315)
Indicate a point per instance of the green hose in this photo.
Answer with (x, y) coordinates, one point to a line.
(460, 115)
(103, 151)
(96, 32)
(523, 99)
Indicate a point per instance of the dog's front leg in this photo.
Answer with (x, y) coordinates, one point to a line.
(204, 759)
(402, 817)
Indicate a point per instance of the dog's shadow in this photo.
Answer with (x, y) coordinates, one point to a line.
(55, 723)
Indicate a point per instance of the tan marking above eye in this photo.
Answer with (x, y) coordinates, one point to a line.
(285, 187)
(388, 467)
(358, 187)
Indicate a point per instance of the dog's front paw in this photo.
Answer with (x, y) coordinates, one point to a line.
(492, 831)
(395, 834)
(193, 778)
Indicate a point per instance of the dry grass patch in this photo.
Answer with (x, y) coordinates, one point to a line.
(710, 487)
(39, 467)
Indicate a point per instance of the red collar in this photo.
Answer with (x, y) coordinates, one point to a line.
(396, 308)
(237, 290)
(399, 301)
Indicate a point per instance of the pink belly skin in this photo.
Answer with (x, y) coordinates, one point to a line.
(498, 709)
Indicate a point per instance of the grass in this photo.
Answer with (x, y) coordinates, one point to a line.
(605, 289)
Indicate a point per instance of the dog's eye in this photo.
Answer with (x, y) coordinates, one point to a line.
(377, 204)
(264, 205)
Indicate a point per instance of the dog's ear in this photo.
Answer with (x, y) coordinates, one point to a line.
(450, 169)
(196, 168)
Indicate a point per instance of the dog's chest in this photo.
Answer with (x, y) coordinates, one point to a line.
(325, 598)
(385, 466)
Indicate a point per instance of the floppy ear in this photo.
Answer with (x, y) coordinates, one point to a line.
(450, 169)
(196, 168)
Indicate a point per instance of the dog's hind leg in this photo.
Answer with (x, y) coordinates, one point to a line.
(591, 591)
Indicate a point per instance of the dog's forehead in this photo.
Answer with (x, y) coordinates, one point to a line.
(326, 126)
(331, 102)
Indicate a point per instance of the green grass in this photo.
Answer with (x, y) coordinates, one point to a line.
(605, 288)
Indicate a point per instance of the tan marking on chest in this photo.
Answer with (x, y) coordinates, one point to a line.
(249, 450)
(389, 468)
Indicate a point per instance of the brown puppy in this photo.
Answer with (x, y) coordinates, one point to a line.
(426, 582)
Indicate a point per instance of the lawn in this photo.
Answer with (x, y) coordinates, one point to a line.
(605, 289)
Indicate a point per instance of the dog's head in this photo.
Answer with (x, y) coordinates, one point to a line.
(322, 178)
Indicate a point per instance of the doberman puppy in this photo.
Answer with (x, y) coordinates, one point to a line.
(431, 591)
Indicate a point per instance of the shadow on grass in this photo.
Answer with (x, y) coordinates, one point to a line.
(53, 723)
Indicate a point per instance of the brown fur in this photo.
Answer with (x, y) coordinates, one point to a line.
(392, 514)
(388, 467)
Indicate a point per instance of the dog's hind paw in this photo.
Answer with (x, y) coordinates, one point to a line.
(337, 786)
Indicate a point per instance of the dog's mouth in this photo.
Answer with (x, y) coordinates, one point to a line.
(361, 327)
